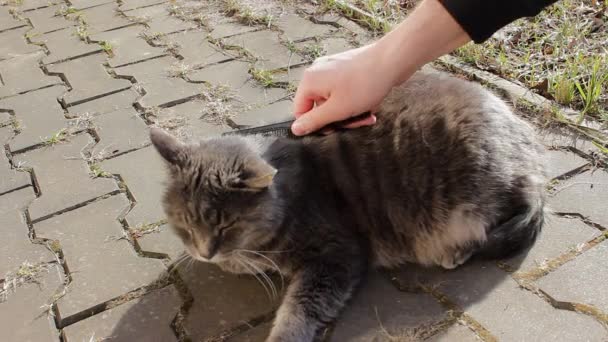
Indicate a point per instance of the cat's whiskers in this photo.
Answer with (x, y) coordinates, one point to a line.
(265, 276)
(181, 259)
(243, 262)
(272, 264)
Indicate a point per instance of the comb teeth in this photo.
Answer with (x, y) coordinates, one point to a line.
(279, 130)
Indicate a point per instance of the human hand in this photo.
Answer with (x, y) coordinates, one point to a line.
(341, 86)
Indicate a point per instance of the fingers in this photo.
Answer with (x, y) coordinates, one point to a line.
(317, 117)
(365, 121)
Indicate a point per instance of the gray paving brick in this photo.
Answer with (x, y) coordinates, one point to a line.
(46, 20)
(7, 21)
(162, 242)
(10, 179)
(13, 44)
(335, 45)
(127, 46)
(276, 112)
(145, 183)
(555, 137)
(559, 235)
(455, 333)
(561, 162)
(379, 304)
(5, 119)
(297, 28)
(159, 20)
(509, 312)
(23, 311)
(102, 268)
(88, 78)
(581, 280)
(154, 76)
(82, 4)
(235, 75)
(39, 115)
(103, 18)
(127, 5)
(267, 48)
(21, 74)
(143, 319)
(257, 334)
(221, 300)
(34, 4)
(585, 194)
(191, 124)
(361, 34)
(292, 74)
(63, 45)
(106, 104)
(16, 247)
(196, 50)
(228, 29)
(60, 167)
(119, 132)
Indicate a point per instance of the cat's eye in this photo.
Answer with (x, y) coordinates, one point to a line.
(222, 230)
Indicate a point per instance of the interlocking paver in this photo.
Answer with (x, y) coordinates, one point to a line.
(228, 29)
(162, 242)
(22, 314)
(28, 5)
(144, 182)
(559, 235)
(155, 77)
(65, 44)
(267, 48)
(562, 162)
(16, 246)
(276, 112)
(13, 44)
(296, 28)
(581, 280)
(39, 115)
(102, 266)
(509, 312)
(7, 21)
(196, 50)
(127, 5)
(585, 194)
(188, 115)
(235, 74)
(46, 20)
(221, 300)
(82, 4)
(58, 168)
(127, 46)
(103, 18)
(88, 78)
(257, 334)
(10, 179)
(121, 100)
(159, 20)
(119, 132)
(292, 75)
(147, 318)
(21, 74)
(379, 304)
(455, 333)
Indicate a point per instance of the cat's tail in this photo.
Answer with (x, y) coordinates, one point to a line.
(518, 232)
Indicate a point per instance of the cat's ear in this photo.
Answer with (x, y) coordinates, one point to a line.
(256, 176)
(171, 149)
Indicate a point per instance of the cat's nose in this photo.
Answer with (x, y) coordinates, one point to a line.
(208, 254)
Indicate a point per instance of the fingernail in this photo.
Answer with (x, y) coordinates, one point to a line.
(298, 128)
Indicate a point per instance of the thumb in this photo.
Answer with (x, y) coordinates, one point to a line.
(316, 118)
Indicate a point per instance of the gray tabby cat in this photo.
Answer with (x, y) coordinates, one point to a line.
(447, 172)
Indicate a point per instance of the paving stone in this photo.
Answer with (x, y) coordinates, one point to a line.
(586, 194)
(267, 48)
(36, 4)
(562, 162)
(7, 21)
(82, 4)
(257, 334)
(455, 333)
(147, 318)
(144, 173)
(60, 167)
(154, 76)
(21, 74)
(159, 20)
(107, 104)
(23, 311)
(64, 45)
(103, 18)
(235, 74)
(5, 119)
(581, 280)
(119, 132)
(334, 45)
(292, 75)
(510, 313)
(196, 50)
(127, 46)
(163, 242)
(127, 5)
(16, 247)
(297, 28)
(361, 34)
(89, 79)
(559, 235)
(39, 115)
(191, 124)
(228, 29)
(13, 44)
(276, 112)
(101, 268)
(379, 304)
(556, 137)
(47, 20)
(10, 179)
(221, 300)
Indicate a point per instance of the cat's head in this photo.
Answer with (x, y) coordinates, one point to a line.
(219, 196)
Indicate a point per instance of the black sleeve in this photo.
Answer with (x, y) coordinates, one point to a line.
(481, 18)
